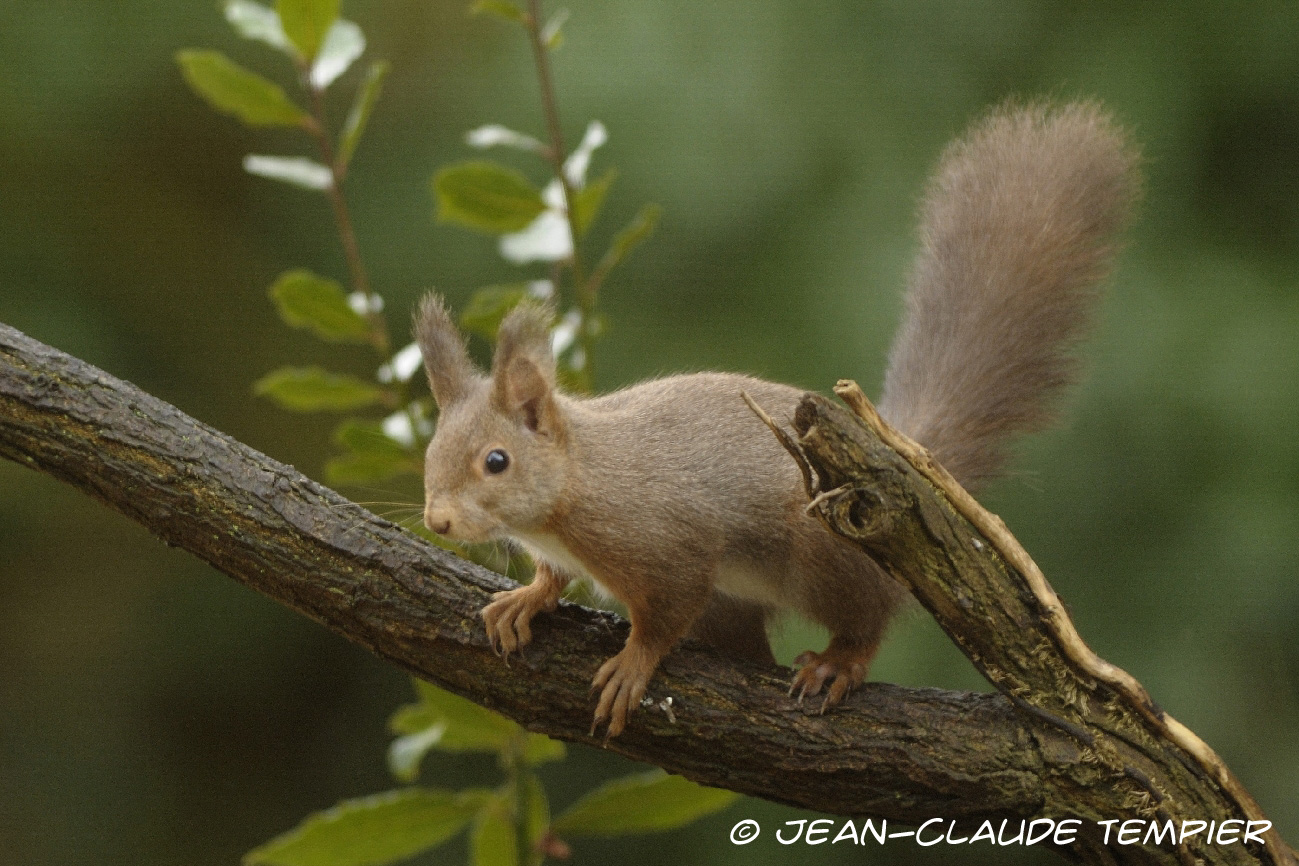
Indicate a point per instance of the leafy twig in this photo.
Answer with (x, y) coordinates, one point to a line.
(583, 289)
(346, 234)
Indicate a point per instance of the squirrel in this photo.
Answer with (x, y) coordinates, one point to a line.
(672, 496)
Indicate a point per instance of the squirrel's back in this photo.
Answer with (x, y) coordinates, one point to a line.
(693, 436)
(1017, 230)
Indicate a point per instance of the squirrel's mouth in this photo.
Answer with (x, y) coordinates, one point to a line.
(457, 526)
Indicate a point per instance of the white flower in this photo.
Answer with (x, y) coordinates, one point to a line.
(397, 427)
(580, 160)
(297, 170)
(402, 366)
(363, 304)
(548, 238)
(493, 134)
(343, 44)
(565, 332)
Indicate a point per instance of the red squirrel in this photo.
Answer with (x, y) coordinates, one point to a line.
(676, 499)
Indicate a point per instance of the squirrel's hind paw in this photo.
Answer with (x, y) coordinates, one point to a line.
(845, 667)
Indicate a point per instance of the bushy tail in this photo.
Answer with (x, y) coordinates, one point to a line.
(1017, 229)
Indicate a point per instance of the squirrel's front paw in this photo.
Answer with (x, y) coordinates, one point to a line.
(622, 681)
(508, 618)
(844, 666)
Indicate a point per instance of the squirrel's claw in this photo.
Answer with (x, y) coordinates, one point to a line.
(811, 676)
(509, 616)
(844, 667)
(839, 689)
(622, 681)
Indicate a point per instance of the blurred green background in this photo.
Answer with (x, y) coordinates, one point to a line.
(154, 712)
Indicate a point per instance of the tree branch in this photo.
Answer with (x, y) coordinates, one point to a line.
(903, 754)
(873, 485)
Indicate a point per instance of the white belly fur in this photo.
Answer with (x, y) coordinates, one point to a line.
(742, 580)
(736, 579)
(550, 550)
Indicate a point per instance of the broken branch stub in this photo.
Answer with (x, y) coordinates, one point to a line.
(875, 487)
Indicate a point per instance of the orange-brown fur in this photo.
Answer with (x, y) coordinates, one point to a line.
(672, 496)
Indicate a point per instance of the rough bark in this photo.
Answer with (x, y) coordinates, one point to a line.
(903, 754)
(875, 487)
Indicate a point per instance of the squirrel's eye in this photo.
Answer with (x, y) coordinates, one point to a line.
(497, 461)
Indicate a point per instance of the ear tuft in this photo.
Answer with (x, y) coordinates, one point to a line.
(445, 359)
(523, 371)
(525, 331)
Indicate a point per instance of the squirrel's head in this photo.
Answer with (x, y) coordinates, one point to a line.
(498, 461)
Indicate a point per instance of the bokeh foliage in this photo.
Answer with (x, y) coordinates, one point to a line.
(151, 712)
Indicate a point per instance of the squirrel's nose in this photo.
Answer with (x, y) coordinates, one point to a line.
(437, 520)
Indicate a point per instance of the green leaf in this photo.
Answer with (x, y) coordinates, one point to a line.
(489, 305)
(493, 841)
(536, 809)
(306, 300)
(587, 203)
(307, 389)
(296, 170)
(359, 116)
(410, 719)
(540, 749)
(500, 8)
(306, 22)
(368, 468)
(636, 232)
(372, 830)
(372, 455)
(343, 44)
(367, 437)
(469, 727)
(231, 89)
(255, 21)
(486, 196)
(640, 804)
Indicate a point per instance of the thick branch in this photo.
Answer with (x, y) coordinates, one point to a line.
(903, 754)
(879, 489)
(1065, 742)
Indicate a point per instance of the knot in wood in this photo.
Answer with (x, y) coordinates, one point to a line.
(856, 511)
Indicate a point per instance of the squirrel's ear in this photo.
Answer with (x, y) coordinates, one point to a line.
(445, 359)
(523, 371)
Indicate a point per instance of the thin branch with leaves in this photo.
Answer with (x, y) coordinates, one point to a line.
(511, 823)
